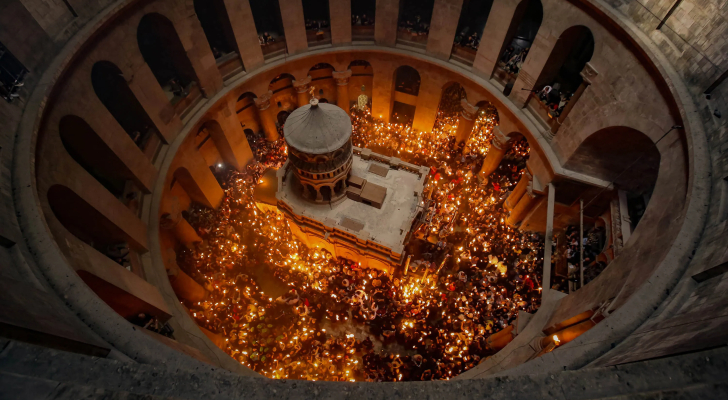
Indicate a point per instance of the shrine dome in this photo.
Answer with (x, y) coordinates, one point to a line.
(317, 128)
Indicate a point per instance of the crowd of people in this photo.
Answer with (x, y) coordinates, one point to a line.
(316, 24)
(415, 25)
(512, 59)
(266, 38)
(365, 20)
(554, 98)
(322, 318)
(463, 39)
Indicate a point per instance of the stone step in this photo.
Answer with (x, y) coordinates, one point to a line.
(696, 375)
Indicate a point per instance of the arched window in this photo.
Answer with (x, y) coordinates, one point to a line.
(361, 81)
(414, 22)
(318, 22)
(407, 83)
(473, 16)
(573, 50)
(520, 36)
(112, 90)
(362, 19)
(269, 25)
(85, 146)
(215, 22)
(164, 53)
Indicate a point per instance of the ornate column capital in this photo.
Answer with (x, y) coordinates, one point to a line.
(500, 140)
(302, 85)
(588, 73)
(342, 77)
(469, 111)
(263, 102)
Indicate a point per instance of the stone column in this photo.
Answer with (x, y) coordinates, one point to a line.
(340, 16)
(266, 116)
(518, 191)
(382, 90)
(587, 74)
(495, 33)
(524, 205)
(467, 121)
(498, 149)
(302, 87)
(146, 89)
(444, 23)
(428, 101)
(529, 73)
(294, 25)
(231, 140)
(342, 88)
(385, 22)
(197, 180)
(548, 238)
(246, 37)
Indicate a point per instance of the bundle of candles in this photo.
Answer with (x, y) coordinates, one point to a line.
(293, 312)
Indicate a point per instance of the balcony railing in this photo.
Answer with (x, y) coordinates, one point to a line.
(274, 49)
(318, 37)
(463, 54)
(362, 33)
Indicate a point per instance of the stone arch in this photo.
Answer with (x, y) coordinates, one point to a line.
(244, 101)
(473, 16)
(164, 52)
(183, 176)
(326, 192)
(572, 51)
(281, 81)
(215, 22)
(524, 26)
(84, 221)
(618, 154)
(406, 87)
(112, 90)
(323, 80)
(89, 151)
(450, 100)
(282, 117)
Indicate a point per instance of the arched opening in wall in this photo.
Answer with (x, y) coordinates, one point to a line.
(362, 20)
(184, 178)
(326, 193)
(269, 25)
(480, 137)
(90, 225)
(406, 89)
(284, 94)
(561, 77)
(85, 146)
(215, 23)
(311, 192)
(247, 112)
(360, 83)
(626, 157)
(323, 80)
(166, 56)
(114, 93)
(521, 33)
(413, 24)
(205, 144)
(449, 109)
(471, 24)
(318, 22)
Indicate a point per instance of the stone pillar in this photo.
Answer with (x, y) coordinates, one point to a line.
(587, 74)
(443, 26)
(182, 230)
(340, 16)
(498, 149)
(548, 238)
(382, 90)
(156, 104)
(529, 73)
(267, 119)
(197, 180)
(467, 121)
(231, 140)
(524, 205)
(495, 33)
(342, 88)
(302, 87)
(518, 191)
(428, 101)
(385, 22)
(294, 25)
(200, 55)
(246, 37)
